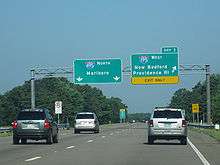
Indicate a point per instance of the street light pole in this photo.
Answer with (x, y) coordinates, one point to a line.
(208, 94)
(32, 89)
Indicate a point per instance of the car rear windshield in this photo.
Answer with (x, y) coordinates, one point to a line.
(84, 116)
(167, 114)
(31, 116)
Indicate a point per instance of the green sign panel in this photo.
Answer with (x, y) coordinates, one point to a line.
(122, 114)
(97, 71)
(158, 68)
(169, 49)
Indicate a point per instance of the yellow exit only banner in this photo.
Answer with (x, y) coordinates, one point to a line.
(155, 80)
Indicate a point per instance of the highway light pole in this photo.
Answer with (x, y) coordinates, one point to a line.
(32, 89)
(208, 94)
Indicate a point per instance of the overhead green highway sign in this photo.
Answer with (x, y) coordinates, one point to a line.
(155, 68)
(97, 71)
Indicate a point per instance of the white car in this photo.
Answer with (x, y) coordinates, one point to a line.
(86, 121)
(168, 124)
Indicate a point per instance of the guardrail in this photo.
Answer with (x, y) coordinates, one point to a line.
(5, 129)
(64, 126)
(197, 125)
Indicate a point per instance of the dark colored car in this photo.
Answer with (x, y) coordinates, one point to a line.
(34, 124)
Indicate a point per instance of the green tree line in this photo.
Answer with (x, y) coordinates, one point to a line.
(75, 98)
(138, 117)
(184, 98)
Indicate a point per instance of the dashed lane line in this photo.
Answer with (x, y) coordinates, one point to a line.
(90, 141)
(70, 147)
(31, 159)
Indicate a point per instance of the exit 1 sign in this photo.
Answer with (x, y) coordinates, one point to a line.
(169, 49)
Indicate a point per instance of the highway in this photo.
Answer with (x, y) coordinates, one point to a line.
(118, 144)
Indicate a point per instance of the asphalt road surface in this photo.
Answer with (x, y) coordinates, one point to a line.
(120, 144)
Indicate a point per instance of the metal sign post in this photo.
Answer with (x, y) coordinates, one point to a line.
(58, 109)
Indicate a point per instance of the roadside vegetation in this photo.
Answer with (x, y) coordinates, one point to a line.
(5, 134)
(211, 132)
(138, 117)
(184, 98)
(75, 98)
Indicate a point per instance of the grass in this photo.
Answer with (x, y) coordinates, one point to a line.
(5, 134)
(211, 132)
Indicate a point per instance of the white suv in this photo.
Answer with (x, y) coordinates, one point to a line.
(86, 121)
(168, 124)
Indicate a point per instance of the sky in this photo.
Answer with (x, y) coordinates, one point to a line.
(52, 33)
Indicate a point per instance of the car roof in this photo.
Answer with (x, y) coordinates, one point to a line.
(163, 109)
(33, 110)
(85, 113)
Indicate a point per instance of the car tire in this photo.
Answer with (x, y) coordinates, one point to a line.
(150, 140)
(55, 138)
(183, 141)
(49, 139)
(96, 131)
(76, 131)
(23, 141)
(15, 139)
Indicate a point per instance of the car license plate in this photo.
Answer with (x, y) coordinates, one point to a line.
(30, 126)
(167, 125)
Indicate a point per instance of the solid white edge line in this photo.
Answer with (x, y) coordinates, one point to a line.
(89, 141)
(31, 159)
(70, 147)
(201, 157)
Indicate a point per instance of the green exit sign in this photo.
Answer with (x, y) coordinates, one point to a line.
(169, 49)
(155, 68)
(97, 71)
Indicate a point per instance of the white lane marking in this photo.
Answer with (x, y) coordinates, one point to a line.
(103, 136)
(70, 147)
(111, 133)
(89, 141)
(201, 157)
(31, 159)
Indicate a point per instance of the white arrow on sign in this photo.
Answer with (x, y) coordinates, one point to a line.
(174, 69)
(79, 79)
(116, 78)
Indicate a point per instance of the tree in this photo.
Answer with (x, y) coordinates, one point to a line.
(75, 98)
(182, 99)
(216, 107)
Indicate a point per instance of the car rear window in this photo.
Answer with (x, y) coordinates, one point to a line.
(84, 116)
(167, 114)
(31, 116)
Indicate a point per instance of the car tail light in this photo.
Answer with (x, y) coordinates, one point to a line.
(184, 123)
(47, 124)
(151, 123)
(14, 124)
(95, 122)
